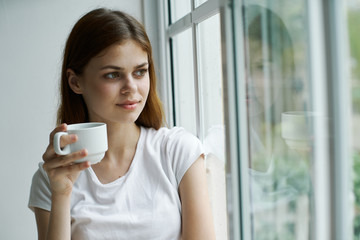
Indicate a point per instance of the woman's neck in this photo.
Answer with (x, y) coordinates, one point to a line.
(122, 142)
(122, 138)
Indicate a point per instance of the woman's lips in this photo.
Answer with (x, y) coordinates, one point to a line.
(130, 105)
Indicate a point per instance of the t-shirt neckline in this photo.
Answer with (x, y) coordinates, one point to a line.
(133, 162)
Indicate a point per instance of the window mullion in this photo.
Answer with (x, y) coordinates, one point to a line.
(205, 10)
(320, 166)
(179, 26)
(197, 82)
(339, 112)
(165, 63)
(237, 150)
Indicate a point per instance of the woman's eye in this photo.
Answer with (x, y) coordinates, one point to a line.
(112, 75)
(140, 72)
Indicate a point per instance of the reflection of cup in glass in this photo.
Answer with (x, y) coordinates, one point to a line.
(297, 129)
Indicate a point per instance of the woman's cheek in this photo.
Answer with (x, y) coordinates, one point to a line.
(106, 89)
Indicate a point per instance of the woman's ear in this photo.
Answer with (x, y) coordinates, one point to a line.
(74, 81)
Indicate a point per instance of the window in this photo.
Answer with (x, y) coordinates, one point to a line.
(265, 86)
(199, 2)
(179, 9)
(280, 120)
(194, 41)
(184, 85)
(291, 61)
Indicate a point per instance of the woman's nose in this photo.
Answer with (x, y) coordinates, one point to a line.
(129, 85)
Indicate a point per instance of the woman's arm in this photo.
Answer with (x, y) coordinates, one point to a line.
(62, 173)
(55, 224)
(59, 220)
(42, 222)
(197, 221)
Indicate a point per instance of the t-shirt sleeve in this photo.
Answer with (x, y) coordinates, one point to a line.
(183, 149)
(40, 193)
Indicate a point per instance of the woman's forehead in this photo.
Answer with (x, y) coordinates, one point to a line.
(127, 53)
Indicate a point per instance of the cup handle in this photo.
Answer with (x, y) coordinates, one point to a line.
(57, 148)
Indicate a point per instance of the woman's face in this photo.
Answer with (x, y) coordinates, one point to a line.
(115, 84)
(263, 79)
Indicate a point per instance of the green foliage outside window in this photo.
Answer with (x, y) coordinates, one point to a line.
(354, 38)
(356, 177)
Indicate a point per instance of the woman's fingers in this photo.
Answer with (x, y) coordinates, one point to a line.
(64, 140)
(50, 152)
(65, 160)
(61, 169)
(75, 168)
(60, 128)
(67, 139)
(59, 177)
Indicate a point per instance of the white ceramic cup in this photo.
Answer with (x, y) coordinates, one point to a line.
(92, 136)
(297, 129)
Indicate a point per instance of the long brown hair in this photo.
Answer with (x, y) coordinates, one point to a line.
(93, 33)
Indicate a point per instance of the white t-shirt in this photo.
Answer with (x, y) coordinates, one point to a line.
(143, 204)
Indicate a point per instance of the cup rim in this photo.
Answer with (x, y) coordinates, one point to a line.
(89, 125)
(301, 113)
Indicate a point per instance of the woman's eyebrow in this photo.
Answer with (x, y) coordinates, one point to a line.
(120, 68)
(142, 65)
(111, 67)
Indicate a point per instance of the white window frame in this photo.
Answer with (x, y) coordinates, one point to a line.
(238, 215)
(189, 21)
(339, 108)
(236, 175)
(328, 50)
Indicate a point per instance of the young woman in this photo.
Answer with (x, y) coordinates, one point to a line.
(151, 184)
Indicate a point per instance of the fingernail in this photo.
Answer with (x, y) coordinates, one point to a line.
(83, 152)
(72, 137)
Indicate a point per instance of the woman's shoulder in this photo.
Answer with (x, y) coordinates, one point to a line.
(169, 134)
(172, 138)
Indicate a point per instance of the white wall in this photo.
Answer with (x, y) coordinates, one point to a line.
(32, 36)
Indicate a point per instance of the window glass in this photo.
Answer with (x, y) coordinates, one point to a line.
(179, 9)
(199, 2)
(210, 76)
(184, 90)
(354, 37)
(280, 119)
(210, 73)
